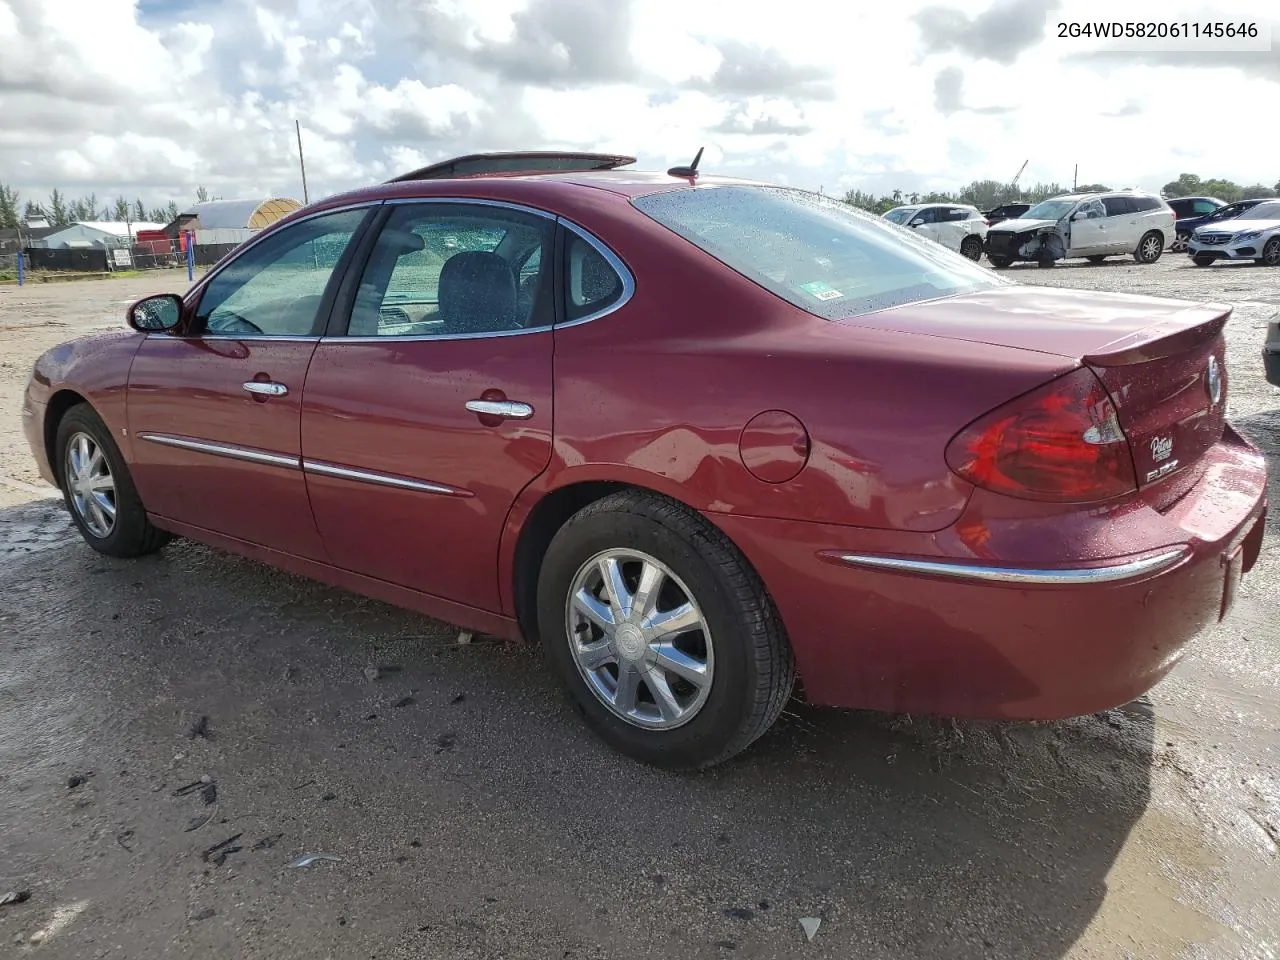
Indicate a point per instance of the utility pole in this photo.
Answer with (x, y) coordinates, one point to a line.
(301, 165)
(1075, 178)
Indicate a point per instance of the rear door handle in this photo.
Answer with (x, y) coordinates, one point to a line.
(266, 388)
(506, 409)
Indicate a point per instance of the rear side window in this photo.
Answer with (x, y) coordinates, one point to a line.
(1144, 204)
(1116, 206)
(1202, 207)
(591, 283)
(814, 252)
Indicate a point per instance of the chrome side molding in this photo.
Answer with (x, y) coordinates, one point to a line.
(1020, 575)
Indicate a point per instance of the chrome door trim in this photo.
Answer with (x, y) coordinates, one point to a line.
(417, 337)
(472, 201)
(508, 409)
(614, 261)
(247, 338)
(326, 469)
(263, 388)
(1022, 575)
(232, 451)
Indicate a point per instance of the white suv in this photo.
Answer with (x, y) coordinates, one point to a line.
(957, 226)
(1091, 225)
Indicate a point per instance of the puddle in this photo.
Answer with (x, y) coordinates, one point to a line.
(34, 527)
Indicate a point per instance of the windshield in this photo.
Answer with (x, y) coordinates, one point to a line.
(1050, 210)
(900, 214)
(814, 252)
(1263, 211)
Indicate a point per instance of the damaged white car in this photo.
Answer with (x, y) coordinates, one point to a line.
(1254, 235)
(1094, 226)
(957, 226)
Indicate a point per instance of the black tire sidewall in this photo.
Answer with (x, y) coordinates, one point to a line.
(721, 718)
(1272, 244)
(971, 242)
(131, 520)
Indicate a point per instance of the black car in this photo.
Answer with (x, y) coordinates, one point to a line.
(1271, 352)
(1006, 211)
(1193, 212)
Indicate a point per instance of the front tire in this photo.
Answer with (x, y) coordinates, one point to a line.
(98, 489)
(1000, 263)
(1271, 252)
(1149, 247)
(1203, 261)
(663, 635)
(971, 247)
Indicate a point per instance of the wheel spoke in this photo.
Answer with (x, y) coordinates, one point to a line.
(95, 461)
(615, 588)
(595, 611)
(624, 694)
(105, 505)
(681, 664)
(670, 623)
(99, 519)
(595, 655)
(663, 696)
(102, 481)
(646, 596)
(82, 455)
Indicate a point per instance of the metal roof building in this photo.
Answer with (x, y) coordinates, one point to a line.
(238, 214)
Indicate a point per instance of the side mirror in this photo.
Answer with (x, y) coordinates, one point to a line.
(157, 314)
(916, 223)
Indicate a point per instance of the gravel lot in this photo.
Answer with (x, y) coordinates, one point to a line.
(472, 815)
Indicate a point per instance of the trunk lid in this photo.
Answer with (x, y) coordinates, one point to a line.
(1162, 360)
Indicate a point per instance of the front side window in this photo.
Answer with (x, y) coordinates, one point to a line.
(1262, 211)
(1050, 210)
(275, 287)
(814, 252)
(454, 270)
(1202, 207)
(901, 215)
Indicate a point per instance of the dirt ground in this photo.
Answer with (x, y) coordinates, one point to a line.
(471, 815)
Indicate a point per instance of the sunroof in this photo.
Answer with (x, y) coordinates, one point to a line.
(478, 164)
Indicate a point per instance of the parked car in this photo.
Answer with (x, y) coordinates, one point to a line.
(1191, 213)
(720, 434)
(1253, 235)
(956, 226)
(1091, 225)
(1006, 211)
(1271, 352)
(1230, 211)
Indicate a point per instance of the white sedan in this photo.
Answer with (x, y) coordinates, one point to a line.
(956, 226)
(1254, 235)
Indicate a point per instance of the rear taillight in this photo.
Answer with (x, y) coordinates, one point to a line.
(1061, 442)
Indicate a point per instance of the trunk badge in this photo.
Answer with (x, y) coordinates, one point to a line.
(1213, 380)
(1161, 448)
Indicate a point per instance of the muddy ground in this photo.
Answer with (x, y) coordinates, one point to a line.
(471, 815)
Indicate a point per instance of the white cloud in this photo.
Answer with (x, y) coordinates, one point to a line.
(156, 98)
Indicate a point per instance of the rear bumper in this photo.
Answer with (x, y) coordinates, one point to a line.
(928, 629)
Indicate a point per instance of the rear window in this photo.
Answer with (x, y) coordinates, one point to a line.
(814, 252)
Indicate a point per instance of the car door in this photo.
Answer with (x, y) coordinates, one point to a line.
(1123, 228)
(925, 223)
(215, 408)
(429, 410)
(1088, 230)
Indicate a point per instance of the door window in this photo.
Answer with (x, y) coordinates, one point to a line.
(1091, 210)
(927, 215)
(1117, 206)
(1202, 207)
(276, 286)
(454, 270)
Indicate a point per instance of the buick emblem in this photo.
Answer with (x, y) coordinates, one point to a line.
(1213, 380)
(1161, 448)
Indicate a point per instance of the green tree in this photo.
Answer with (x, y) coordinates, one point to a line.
(1092, 188)
(57, 208)
(32, 211)
(1186, 185)
(8, 208)
(202, 194)
(139, 210)
(121, 212)
(171, 212)
(1256, 190)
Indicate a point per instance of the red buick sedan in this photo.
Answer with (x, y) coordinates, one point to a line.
(697, 437)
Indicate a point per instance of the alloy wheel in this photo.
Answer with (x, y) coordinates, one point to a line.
(91, 487)
(639, 639)
(1271, 252)
(1150, 249)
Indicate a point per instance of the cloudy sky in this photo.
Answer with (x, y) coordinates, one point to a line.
(152, 97)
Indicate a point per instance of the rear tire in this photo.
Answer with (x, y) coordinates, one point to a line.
(971, 247)
(737, 657)
(1000, 263)
(1271, 252)
(1203, 261)
(98, 489)
(1180, 241)
(1149, 247)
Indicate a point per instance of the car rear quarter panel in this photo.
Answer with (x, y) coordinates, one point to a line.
(660, 392)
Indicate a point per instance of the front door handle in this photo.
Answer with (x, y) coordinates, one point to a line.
(264, 388)
(505, 409)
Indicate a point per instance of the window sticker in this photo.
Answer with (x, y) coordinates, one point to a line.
(820, 290)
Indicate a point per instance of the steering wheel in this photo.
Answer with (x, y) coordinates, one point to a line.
(229, 322)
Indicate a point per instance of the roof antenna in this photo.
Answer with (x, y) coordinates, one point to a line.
(691, 171)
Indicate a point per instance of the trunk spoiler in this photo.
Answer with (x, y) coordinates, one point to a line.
(1166, 338)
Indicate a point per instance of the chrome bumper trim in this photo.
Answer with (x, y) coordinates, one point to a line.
(1020, 575)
